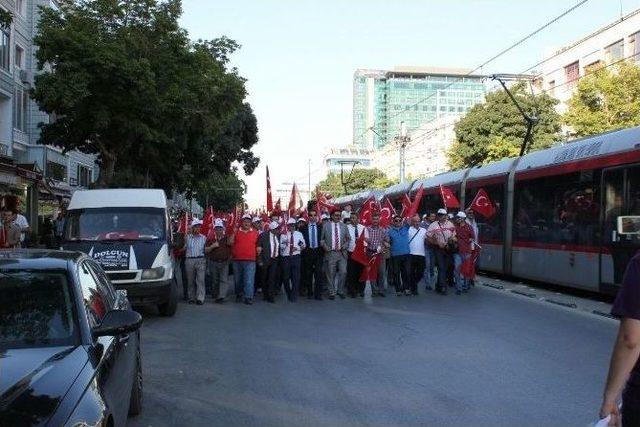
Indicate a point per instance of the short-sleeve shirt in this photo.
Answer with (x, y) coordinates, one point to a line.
(416, 241)
(441, 232)
(374, 238)
(244, 245)
(399, 237)
(627, 303)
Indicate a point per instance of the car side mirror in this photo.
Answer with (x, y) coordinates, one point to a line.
(628, 225)
(118, 322)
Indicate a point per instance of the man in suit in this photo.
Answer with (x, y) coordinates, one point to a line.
(268, 253)
(312, 256)
(334, 241)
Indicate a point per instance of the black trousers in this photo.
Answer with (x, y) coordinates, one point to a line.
(631, 406)
(443, 260)
(354, 270)
(269, 277)
(257, 281)
(399, 277)
(417, 272)
(312, 273)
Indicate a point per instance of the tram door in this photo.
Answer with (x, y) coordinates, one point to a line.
(620, 197)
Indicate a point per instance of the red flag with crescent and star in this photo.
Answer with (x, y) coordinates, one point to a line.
(406, 205)
(387, 211)
(370, 270)
(295, 201)
(482, 204)
(277, 209)
(207, 221)
(322, 202)
(448, 198)
(368, 207)
(415, 205)
(269, 196)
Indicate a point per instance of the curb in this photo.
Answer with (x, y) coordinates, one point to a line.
(523, 293)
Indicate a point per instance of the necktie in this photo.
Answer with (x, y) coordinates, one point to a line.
(355, 227)
(313, 236)
(336, 242)
(291, 244)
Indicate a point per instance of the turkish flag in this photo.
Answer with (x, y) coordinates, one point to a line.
(295, 201)
(185, 223)
(387, 211)
(277, 209)
(406, 205)
(359, 254)
(269, 197)
(448, 198)
(468, 266)
(368, 207)
(482, 204)
(233, 219)
(207, 221)
(370, 270)
(415, 205)
(322, 203)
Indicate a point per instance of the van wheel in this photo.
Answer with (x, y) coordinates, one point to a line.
(170, 307)
(135, 402)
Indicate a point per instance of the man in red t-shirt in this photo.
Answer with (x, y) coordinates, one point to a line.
(243, 252)
(465, 237)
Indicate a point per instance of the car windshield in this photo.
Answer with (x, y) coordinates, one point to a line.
(36, 310)
(113, 224)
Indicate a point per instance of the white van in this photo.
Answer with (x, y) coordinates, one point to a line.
(127, 231)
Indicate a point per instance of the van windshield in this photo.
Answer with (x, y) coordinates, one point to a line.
(121, 223)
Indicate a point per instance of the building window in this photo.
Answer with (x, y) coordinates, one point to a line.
(56, 171)
(634, 43)
(20, 104)
(5, 46)
(593, 66)
(19, 57)
(571, 74)
(84, 176)
(552, 88)
(614, 51)
(20, 7)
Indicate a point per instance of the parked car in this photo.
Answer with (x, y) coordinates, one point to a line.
(127, 231)
(69, 343)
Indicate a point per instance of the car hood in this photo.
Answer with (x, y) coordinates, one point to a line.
(33, 382)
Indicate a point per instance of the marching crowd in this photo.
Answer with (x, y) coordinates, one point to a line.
(330, 254)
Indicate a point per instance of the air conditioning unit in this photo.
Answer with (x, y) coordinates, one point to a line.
(25, 76)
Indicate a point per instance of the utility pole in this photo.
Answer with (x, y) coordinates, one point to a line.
(401, 141)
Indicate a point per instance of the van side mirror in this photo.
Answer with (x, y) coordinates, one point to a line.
(629, 225)
(118, 322)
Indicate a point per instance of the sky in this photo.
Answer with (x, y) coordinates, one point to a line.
(299, 56)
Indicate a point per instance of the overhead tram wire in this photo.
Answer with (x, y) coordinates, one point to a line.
(488, 61)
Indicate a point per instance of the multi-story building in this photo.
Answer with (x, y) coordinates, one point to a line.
(336, 159)
(425, 152)
(563, 68)
(40, 176)
(382, 100)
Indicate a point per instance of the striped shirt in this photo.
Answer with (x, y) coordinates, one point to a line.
(195, 245)
(374, 238)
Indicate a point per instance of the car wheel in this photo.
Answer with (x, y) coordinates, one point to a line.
(170, 307)
(135, 403)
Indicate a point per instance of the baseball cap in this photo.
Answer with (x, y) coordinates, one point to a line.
(461, 215)
(301, 219)
(218, 223)
(246, 216)
(442, 211)
(257, 219)
(195, 222)
(324, 216)
(292, 221)
(273, 225)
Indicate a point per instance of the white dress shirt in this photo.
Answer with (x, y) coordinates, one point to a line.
(314, 236)
(352, 235)
(285, 243)
(416, 246)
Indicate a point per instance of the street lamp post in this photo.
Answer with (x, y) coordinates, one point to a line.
(401, 141)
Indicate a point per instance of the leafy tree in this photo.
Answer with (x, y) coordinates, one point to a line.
(359, 180)
(605, 99)
(125, 83)
(492, 130)
(223, 192)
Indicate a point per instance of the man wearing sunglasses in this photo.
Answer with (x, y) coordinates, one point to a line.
(335, 240)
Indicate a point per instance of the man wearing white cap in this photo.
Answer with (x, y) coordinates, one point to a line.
(441, 234)
(291, 246)
(195, 263)
(244, 252)
(218, 251)
(268, 253)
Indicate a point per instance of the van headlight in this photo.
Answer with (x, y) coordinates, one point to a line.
(152, 273)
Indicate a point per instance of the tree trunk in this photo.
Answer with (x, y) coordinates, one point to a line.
(107, 169)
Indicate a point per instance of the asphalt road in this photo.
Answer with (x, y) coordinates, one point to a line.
(486, 358)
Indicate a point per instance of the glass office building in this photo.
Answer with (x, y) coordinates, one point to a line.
(416, 96)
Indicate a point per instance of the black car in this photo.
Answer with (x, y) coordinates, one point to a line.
(69, 343)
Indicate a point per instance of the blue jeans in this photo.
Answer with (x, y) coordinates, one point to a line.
(462, 283)
(244, 273)
(429, 267)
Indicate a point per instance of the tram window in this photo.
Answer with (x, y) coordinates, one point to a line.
(559, 209)
(490, 229)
